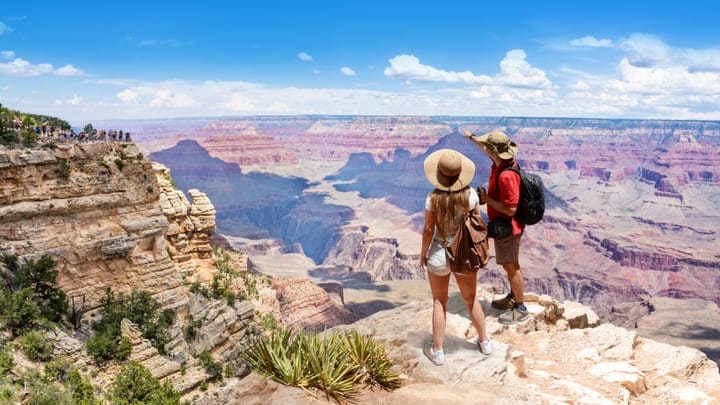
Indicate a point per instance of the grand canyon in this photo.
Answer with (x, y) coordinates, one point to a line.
(632, 205)
(320, 217)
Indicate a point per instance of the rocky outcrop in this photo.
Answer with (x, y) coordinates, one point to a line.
(559, 355)
(190, 228)
(305, 306)
(94, 208)
(377, 257)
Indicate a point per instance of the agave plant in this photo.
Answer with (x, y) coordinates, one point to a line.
(336, 364)
(372, 364)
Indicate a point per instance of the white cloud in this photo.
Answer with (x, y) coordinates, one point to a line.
(514, 71)
(316, 71)
(74, 100)
(4, 28)
(128, 96)
(173, 43)
(347, 71)
(21, 67)
(592, 42)
(646, 50)
(240, 103)
(7, 54)
(68, 70)
(304, 57)
(156, 97)
(167, 98)
(408, 67)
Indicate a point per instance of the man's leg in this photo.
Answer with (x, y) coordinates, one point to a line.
(517, 282)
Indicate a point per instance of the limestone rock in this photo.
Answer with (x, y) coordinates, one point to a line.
(579, 316)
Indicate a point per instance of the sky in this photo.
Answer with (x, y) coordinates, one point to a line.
(84, 61)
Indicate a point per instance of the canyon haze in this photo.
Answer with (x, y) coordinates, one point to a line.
(633, 206)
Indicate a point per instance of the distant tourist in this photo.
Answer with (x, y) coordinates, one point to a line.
(502, 196)
(451, 173)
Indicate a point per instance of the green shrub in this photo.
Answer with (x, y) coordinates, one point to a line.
(43, 393)
(192, 327)
(336, 364)
(63, 169)
(119, 163)
(268, 321)
(102, 347)
(6, 361)
(36, 345)
(212, 367)
(8, 393)
(28, 137)
(39, 276)
(59, 368)
(19, 311)
(140, 308)
(9, 138)
(82, 391)
(135, 385)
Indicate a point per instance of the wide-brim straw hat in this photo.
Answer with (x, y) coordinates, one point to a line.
(499, 143)
(449, 170)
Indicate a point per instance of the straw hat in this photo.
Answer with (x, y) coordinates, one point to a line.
(449, 170)
(499, 143)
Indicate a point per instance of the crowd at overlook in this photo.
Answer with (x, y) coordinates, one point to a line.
(48, 132)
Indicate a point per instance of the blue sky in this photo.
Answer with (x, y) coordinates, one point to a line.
(96, 60)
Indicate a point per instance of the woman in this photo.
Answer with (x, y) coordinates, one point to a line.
(451, 173)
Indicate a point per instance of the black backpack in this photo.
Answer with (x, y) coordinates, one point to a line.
(531, 207)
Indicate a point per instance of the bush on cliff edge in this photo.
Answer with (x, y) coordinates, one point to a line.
(141, 309)
(30, 294)
(337, 364)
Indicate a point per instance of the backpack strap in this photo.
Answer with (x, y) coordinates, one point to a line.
(514, 168)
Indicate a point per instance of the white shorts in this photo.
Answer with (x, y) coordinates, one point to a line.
(436, 259)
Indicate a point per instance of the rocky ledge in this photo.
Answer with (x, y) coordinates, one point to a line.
(560, 355)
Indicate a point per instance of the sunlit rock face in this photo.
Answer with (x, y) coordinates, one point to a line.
(101, 220)
(111, 219)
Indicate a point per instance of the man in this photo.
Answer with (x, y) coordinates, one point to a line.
(502, 198)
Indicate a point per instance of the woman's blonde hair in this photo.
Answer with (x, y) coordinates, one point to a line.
(447, 207)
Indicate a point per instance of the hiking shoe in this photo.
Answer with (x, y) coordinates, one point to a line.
(436, 357)
(513, 316)
(506, 302)
(485, 347)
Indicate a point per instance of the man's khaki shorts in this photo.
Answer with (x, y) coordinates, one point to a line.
(507, 250)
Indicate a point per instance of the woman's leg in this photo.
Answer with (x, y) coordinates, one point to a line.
(439, 288)
(467, 283)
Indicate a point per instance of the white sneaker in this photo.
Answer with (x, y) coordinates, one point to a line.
(485, 347)
(436, 357)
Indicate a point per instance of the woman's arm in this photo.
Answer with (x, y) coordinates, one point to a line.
(428, 232)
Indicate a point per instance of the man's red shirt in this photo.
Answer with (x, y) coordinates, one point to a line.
(508, 194)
